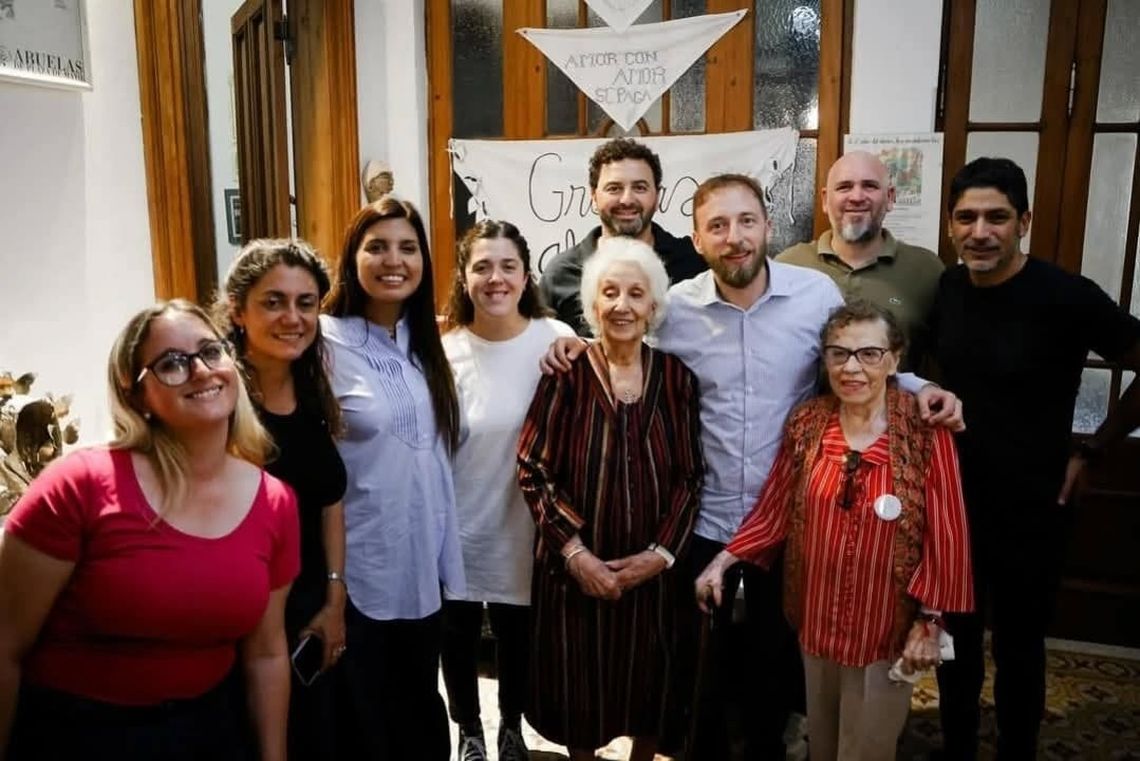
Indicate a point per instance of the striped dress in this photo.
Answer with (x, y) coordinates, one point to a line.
(621, 476)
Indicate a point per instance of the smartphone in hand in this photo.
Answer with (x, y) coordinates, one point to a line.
(307, 659)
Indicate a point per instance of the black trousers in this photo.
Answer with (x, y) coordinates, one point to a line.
(391, 670)
(462, 632)
(750, 676)
(57, 725)
(1018, 546)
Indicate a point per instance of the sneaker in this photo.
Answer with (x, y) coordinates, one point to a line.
(472, 749)
(512, 747)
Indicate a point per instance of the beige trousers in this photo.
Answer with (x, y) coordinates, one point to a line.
(853, 714)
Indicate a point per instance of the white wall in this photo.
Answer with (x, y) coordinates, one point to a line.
(391, 93)
(75, 257)
(894, 65)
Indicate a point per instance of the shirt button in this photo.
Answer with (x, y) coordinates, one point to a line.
(749, 389)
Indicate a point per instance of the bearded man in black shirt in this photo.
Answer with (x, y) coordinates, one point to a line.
(1012, 334)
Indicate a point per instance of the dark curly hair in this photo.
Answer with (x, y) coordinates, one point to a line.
(348, 299)
(309, 370)
(460, 310)
(619, 149)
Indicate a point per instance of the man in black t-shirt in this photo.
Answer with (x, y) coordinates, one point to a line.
(1012, 334)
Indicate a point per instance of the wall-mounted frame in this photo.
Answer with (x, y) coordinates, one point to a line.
(233, 215)
(44, 42)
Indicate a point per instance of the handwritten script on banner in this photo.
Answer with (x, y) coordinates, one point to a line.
(625, 72)
(552, 207)
(619, 14)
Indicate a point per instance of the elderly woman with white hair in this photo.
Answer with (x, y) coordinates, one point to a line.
(610, 464)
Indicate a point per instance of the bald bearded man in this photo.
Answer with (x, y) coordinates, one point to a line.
(863, 258)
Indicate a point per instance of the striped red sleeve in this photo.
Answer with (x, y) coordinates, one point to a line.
(767, 525)
(944, 578)
(540, 451)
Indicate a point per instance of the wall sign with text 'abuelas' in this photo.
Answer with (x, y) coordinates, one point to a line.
(44, 42)
(625, 72)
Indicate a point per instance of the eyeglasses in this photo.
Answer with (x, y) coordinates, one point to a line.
(868, 356)
(173, 368)
(851, 462)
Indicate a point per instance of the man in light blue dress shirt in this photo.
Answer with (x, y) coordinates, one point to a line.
(749, 329)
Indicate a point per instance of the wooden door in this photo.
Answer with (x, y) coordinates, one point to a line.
(259, 105)
(1059, 96)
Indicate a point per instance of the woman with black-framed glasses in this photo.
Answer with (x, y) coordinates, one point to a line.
(134, 576)
(867, 499)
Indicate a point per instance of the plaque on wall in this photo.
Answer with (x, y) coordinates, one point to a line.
(44, 42)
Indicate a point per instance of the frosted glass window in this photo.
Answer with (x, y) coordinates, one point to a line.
(1106, 225)
(1021, 147)
(1119, 98)
(791, 201)
(1009, 60)
(1092, 400)
(561, 93)
(595, 116)
(786, 83)
(477, 54)
(687, 95)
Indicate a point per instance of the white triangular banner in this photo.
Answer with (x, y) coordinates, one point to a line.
(625, 72)
(619, 14)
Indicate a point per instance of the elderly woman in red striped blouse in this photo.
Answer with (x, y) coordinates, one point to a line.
(867, 499)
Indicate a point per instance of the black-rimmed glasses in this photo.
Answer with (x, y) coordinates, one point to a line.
(851, 462)
(173, 368)
(868, 356)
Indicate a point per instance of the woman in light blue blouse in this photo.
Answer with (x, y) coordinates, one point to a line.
(401, 424)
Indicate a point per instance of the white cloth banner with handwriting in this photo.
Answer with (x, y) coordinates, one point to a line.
(625, 72)
(619, 14)
(542, 187)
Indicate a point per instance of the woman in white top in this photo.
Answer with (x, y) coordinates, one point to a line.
(498, 330)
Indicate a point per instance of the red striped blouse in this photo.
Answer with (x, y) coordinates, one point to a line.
(848, 606)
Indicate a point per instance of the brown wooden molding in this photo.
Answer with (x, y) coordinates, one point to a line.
(172, 93)
(959, 72)
(326, 144)
(834, 80)
(441, 121)
(1078, 149)
(729, 72)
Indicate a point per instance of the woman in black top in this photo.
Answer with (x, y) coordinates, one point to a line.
(269, 308)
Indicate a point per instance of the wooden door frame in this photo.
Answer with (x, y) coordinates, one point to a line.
(172, 89)
(260, 116)
(176, 151)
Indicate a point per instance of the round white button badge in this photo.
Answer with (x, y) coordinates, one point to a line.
(888, 507)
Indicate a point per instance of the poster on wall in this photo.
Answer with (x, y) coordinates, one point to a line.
(44, 42)
(625, 72)
(915, 165)
(619, 14)
(552, 207)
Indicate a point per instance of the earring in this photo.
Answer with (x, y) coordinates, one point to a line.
(147, 415)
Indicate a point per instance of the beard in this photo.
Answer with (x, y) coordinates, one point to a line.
(743, 275)
(629, 227)
(859, 232)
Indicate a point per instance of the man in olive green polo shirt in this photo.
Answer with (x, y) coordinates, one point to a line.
(865, 260)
